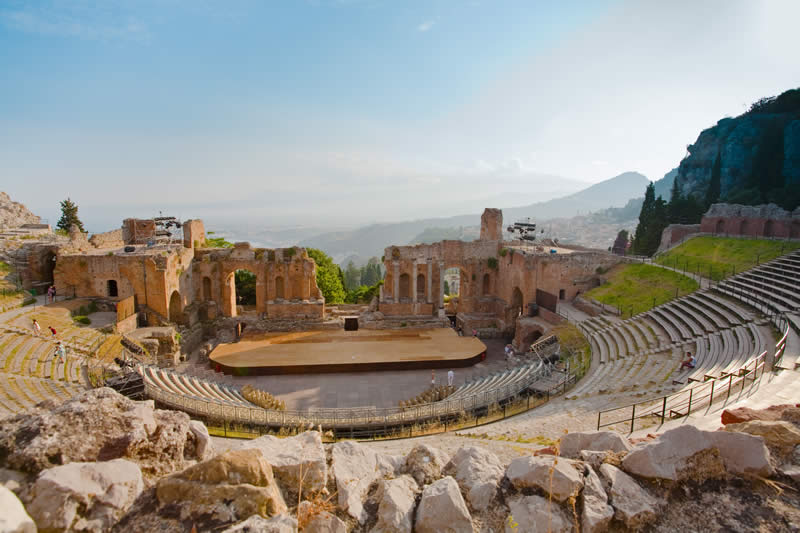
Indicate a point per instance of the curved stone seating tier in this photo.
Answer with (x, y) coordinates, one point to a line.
(787, 298)
(19, 393)
(675, 335)
(780, 283)
(715, 316)
(741, 314)
(689, 325)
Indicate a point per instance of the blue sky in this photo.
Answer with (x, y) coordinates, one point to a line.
(365, 110)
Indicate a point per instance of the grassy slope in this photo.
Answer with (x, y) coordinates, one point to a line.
(723, 256)
(636, 285)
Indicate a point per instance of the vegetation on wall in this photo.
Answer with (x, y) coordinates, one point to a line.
(216, 242)
(245, 282)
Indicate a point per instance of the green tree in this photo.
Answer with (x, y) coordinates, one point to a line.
(653, 218)
(245, 282)
(69, 216)
(352, 277)
(620, 243)
(329, 276)
(446, 288)
(371, 273)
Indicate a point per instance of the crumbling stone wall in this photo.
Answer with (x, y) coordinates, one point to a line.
(753, 221)
(109, 239)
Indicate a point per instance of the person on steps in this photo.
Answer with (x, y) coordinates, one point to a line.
(690, 362)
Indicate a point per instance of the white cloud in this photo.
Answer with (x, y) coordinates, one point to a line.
(425, 26)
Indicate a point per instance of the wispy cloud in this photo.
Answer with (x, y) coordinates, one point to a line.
(74, 20)
(426, 26)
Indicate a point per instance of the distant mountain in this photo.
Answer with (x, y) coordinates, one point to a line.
(664, 185)
(371, 240)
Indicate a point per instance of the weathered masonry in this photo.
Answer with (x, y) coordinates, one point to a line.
(181, 280)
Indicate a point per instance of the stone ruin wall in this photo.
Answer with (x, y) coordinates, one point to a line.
(756, 221)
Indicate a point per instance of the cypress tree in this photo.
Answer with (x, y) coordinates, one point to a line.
(69, 216)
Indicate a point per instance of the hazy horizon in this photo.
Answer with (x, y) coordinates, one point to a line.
(345, 112)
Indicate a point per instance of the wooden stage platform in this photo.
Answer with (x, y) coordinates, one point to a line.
(310, 352)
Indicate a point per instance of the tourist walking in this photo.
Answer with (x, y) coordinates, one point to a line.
(36, 329)
(51, 293)
(433, 378)
(451, 376)
(52, 331)
(61, 353)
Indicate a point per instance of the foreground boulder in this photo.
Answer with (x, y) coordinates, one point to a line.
(294, 459)
(779, 435)
(557, 476)
(633, 505)
(600, 441)
(355, 468)
(229, 487)
(203, 447)
(85, 496)
(442, 509)
(596, 512)
(534, 514)
(13, 518)
(97, 425)
(397, 499)
(282, 523)
(687, 452)
(746, 414)
(318, 520)
(425, 463)
(478, 471)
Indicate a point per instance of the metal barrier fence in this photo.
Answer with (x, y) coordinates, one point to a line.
(684, 402)
(346, 417)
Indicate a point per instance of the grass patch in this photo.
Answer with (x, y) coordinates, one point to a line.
(82, 319)
(722, 257)
(637, 286)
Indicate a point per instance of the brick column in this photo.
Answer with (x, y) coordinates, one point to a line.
(429, 279)
(396, 284)
(414, 281)
(441, 284)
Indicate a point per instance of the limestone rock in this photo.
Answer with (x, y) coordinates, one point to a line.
(478, 471)
(564, 481)
(425, 463)
(593, 458)
(319, 521)
(792, 414)
(355, 468)
(282, 523)
(633, 505)
(295, 458)
(790, 471)
(672, 456)
(779, 435)
(596, 513)
(573, 443)
(204, 448)
(14, 214)
(229, 487)
(13, 518)
(390, 465)
(85, 496)
(396, 509)
(746, 414)
(96, 425)
(534, 514)
(442, 509)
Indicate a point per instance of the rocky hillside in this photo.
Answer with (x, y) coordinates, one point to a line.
(750, 159)
(14, 214)
(101, 462)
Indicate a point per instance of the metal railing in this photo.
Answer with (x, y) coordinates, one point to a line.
(684, 402)
(342, 417)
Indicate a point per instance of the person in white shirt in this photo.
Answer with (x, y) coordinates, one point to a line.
(450, 377)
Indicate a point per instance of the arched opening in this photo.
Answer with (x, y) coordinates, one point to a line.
(452, 281)
(561, 294)
(206, 289)
(794, 231)
(768, 229)
(279, 291)
(421, 288)
(720, 226)
(516, 302)
(405, 289)
(245, 284)
(743, 226)
(111, 288)
(530, 338)
(487, 280)
(175, 308)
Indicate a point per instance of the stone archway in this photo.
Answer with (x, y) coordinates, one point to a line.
(487, 281)
(743, 227)
(720, 228)
(175, 308)
(517, 301)
(207, 289)
(769, 229)
(794, 230)
(405, 287)
(421, 288)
